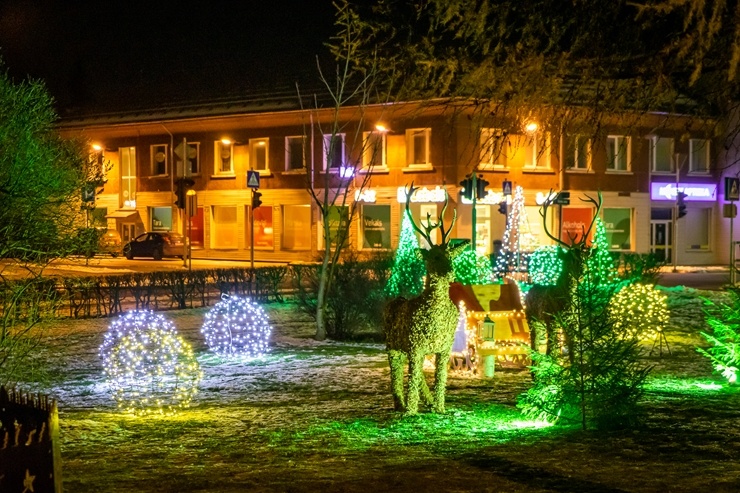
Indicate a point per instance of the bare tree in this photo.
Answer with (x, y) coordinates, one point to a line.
(334, 188)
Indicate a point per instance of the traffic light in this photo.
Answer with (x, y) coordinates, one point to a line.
(256, 201)
(467, 190)
(480, 187)
(681, 204)
(183, 184)
(502, 208)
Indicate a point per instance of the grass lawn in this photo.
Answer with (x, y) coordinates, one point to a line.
(318, 417)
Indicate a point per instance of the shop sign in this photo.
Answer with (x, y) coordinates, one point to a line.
(575, 222)
(618, 226)
(491, 198)
(694, 191)
(423, 194)
(367, 196)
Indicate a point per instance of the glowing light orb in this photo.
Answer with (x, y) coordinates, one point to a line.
(150, 368)
(640, 310)
(237, 328)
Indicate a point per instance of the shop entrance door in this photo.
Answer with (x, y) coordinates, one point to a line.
(128, 232)
(661, 240)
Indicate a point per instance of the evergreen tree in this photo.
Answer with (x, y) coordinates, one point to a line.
(600, 261)
(407, 275)
(472, 268)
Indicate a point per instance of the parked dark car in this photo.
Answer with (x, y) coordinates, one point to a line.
(155, 245)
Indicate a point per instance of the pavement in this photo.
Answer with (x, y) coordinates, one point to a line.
(711, 277)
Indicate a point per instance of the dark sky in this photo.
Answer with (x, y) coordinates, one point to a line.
(108, 55)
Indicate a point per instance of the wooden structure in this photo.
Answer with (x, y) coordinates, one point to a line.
(496, 316)
(30, 457)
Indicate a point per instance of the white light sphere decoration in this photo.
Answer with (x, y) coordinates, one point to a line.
(237, 328)
(149, 366)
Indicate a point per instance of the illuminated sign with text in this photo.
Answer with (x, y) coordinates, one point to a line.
(694, 191)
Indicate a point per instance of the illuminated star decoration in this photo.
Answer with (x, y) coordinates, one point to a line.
(237, 328)
(28, 482)
(148, 365)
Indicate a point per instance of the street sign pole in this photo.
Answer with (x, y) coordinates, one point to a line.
(251, 234)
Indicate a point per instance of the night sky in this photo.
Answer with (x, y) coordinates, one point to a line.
(100, 56)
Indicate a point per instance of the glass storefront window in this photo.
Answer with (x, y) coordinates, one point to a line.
(697, 236)
(618, 225)
(223, 227)
(376, 226)
(296, 227)
(161, 218)
(263, 233)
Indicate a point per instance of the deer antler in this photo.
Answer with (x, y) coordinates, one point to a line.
(597, 203)
(430, 226)
(543, 212)
(572, 237)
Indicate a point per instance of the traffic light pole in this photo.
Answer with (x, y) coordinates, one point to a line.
(475, 213)
(251, 233)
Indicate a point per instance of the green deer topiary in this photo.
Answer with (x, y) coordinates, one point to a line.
(424, 324)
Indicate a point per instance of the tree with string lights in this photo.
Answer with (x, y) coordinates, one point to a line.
(518, 237)
(407, 274)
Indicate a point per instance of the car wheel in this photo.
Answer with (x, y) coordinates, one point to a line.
(128, 253)
(114, 254)
(157, 254)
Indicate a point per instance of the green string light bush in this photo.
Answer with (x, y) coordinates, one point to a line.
(600, 261)
(639, 310)
(545, 266)
(724, 320)
(472, 268)
(150, 368)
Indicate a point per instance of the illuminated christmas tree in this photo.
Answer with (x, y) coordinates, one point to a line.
(600, 261)
(472, 268)
(407, 275)
(518, 237)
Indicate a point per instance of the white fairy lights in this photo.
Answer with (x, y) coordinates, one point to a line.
(150, 368)
(237, 328)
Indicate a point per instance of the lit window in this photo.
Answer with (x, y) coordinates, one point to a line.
(617, 153)
(418, 147)
(296, 227)
(577, 152)
(259, 152)
(661, 154)
(127, 156)
(333, 151)
(161, 218)
(338, 218)
(374, 147)
(223, 227)
(159, 159)
(492, 148)
(537, 151)
(698, 156)
(295, 153)
(224, 157)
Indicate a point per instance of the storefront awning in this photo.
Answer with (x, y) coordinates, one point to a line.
(123, 214)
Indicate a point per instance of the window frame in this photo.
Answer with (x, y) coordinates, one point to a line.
(289, 154)
(326, 147)
(153, 163)
(214, 228)
(254, 146)
(692, 153)
(654, 155)
(367, 155)
(284, 218)
(218, 160)
(129, 181)
(571, 143)
(706, 221)
(411, 148)
(196, 159)
(610, 168)
(533, 161)
(492, 139)
(361, 228)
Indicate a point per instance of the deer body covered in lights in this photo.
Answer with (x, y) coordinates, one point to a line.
(544, 302)
(424, 324)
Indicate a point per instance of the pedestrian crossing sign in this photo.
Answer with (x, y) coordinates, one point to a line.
(732, 188)
(253, 179)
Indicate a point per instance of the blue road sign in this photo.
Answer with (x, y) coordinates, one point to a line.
(253, 179)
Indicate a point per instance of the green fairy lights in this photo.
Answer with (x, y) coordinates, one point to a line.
(407, 275)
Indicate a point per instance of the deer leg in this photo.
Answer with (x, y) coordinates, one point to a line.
(395, 361)
(416, 380)
(440, 381)
(426, 394)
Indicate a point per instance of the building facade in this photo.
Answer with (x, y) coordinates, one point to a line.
(377, 151)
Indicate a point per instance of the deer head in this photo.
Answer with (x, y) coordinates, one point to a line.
(585, 232)
(438, 259)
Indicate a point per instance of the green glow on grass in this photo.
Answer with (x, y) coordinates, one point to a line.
(665, 384)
